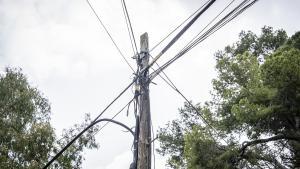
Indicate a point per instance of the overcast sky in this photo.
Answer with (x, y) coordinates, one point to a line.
(65, 53)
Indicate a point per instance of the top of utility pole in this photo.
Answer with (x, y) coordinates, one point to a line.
(144, 42)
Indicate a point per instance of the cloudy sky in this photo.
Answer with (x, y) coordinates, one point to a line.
(65, 53)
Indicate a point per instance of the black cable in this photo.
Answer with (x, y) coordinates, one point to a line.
(117, 114)
(111, 118)
(183, 30)
(172, 85)
(116, 98)
(202, 37)
(209, 24)
(129, 23)
(188, 46)
(157, 44)
(128, 30)
(219, 24)
(233, 14)
(111, 38)
(80, 134)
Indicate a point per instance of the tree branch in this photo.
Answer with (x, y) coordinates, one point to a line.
(246, 144)
(260, 141)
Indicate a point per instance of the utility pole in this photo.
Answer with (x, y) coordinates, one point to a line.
(144, 138)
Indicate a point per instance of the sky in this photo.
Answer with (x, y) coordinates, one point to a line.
(67, 55)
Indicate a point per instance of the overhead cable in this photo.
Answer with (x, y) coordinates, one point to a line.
(115, 99)
(129, 28)
(183, 30)
(80, 134)
(175, 29)
(111, 38)
(230, 16)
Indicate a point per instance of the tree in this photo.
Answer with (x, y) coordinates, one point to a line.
(254, 117)
(27, 139)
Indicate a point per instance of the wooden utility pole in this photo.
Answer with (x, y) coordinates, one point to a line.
(144, 140)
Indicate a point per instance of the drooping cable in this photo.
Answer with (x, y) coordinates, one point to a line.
(112, 102)
(119, 112)
(112, 118)
(80, 134)
(110, 36)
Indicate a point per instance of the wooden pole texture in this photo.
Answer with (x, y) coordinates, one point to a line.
(144, 140)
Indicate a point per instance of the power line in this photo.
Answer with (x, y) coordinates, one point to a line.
(80, 134)
(172, 85)
(112, 118)
(220, 23)
(155, 46)
(230, 16)
(197, 40)
(183, 30)
(210, 23)
(111, 38)
(128, 30)
(120, 111)
(129, 26)
(115, 99)
(190, 44)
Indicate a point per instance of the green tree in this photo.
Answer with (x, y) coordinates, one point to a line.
(254, 114)
(27, 139)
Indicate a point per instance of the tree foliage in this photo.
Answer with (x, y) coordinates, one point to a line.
(254, 116)
(27, 139)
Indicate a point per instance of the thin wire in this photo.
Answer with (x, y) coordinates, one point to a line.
(172, 85)
(128, 30)
(111, 38)
(130, 25)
